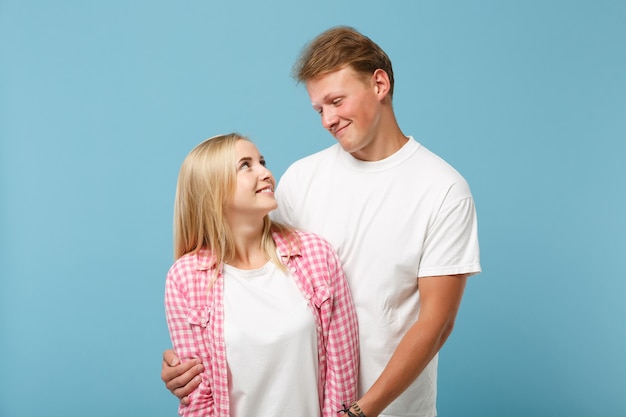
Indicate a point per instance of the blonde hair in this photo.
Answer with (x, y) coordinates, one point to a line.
(338, 47)
(206, 181)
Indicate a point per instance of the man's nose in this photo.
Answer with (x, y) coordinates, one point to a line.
(329, 118)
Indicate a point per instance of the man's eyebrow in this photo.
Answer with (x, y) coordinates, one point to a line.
(333, 95)
(328, 97)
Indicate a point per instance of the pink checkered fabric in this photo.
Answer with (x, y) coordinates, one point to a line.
(195, 317)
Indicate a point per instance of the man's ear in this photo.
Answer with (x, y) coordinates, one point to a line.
(381, 82)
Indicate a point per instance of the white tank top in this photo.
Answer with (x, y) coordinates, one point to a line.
(271, 344)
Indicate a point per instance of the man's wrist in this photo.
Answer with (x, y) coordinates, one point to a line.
(355, 410)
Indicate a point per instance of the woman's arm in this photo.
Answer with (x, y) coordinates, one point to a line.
(186, 325)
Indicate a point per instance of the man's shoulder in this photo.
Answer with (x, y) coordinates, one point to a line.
(299, 176)
(437, 166)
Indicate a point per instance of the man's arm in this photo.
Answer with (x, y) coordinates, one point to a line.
(440, 298)
(180, 379)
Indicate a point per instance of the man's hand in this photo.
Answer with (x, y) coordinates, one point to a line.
(180, 379)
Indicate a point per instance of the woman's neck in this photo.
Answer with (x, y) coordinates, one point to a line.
(249, 253)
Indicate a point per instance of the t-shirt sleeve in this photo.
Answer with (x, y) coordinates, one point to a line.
(451, 245)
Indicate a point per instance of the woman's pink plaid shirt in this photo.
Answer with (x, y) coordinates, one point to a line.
(195, 317)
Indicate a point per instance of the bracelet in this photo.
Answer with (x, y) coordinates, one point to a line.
(356, 407)
(347, 410)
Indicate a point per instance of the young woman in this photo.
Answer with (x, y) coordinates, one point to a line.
(265, 308)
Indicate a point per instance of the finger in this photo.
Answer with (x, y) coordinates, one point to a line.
(182, 379)
(169, 357)
(170, 373)
(187, 389)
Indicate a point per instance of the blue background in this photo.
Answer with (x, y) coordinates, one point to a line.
(101, 101)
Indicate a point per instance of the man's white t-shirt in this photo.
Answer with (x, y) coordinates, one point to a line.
(391, 221)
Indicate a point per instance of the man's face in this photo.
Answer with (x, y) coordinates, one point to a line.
(349, 107)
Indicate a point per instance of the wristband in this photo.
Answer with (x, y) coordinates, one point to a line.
(348, 410)
(356, 408)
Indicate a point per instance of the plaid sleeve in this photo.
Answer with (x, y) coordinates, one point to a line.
(187, 321)
(342, 345)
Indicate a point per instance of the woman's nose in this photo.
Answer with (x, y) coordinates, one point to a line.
(265, 173)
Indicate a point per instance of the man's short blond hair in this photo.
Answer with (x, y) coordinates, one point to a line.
(339, 47)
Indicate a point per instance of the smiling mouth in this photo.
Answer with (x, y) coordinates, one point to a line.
(339, 130)
(266, 190)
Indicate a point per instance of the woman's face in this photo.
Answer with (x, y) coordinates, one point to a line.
(254, 191)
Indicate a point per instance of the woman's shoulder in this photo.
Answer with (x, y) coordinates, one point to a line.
(312, 243)
(305, 240)
(192, 262)
(311, 238)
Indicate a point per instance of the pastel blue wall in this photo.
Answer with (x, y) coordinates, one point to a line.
(100, 102)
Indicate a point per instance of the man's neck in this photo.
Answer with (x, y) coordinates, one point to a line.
(383, 146)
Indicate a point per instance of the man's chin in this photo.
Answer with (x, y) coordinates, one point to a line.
(346, 145)
(352, 150)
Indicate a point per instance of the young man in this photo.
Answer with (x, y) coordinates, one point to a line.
(402, 221)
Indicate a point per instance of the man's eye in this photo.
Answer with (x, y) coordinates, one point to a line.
(336, 101)
(262, 162)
